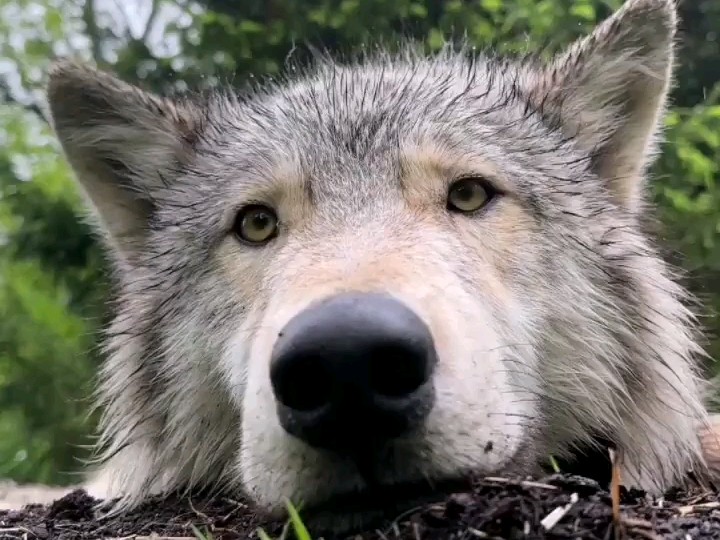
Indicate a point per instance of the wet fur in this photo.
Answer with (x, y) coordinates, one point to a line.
(554, 317)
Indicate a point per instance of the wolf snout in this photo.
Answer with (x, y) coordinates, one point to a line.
(353, 370)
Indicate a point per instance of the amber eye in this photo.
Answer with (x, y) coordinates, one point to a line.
(256, 224)
(469, 194)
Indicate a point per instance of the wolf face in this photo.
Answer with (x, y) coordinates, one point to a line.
(397, 270)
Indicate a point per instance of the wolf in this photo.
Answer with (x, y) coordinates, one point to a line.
(388, 272)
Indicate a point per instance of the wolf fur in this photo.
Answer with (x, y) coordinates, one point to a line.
(554, 318)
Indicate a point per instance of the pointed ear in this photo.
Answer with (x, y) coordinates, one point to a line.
(123, 145)
(608, 92)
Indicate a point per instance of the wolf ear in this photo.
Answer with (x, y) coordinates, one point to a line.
(608, 91)
(122, 143)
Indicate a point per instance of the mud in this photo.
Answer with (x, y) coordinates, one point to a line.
(491, 508)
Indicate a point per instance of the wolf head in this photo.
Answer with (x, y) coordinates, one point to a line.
(386, 271)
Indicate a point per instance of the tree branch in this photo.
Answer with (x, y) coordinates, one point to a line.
(7, 97)
(151, 19)
(92, 30)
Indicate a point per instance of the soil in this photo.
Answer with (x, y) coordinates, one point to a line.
(491, 508)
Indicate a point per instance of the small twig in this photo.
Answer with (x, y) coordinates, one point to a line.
(616, 458)
(633, 522)
(477, 533)
(285, 531)
(9, 530)
(697, 499)
(640, 528)
(553, 518)
(499, 479)
(523, 483)
(647, 534)
(198, 512)
(394, 526)
(233, 501)
(692, 508)
(416, 530)
(239, 506)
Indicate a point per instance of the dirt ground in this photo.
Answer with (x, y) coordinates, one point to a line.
(491, 508)
(14, 496)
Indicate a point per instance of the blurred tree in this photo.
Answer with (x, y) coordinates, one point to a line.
(52, 274)
(699, 70)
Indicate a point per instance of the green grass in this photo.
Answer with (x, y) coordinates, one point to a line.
(201, 536)
(263, 535)
(301, 532)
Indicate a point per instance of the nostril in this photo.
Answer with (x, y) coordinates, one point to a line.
(397, 371)
(353, 369)
(303, 384)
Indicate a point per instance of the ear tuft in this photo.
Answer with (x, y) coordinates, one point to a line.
(77, 90)
(122, 143)
(608, 91)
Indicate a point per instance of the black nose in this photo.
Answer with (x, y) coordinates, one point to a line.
(353, 369)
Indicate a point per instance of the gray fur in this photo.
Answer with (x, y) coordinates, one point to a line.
(554, 316)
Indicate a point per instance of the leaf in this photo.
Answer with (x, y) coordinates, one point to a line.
(298, 526)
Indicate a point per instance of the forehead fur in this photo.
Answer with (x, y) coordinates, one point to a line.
(357, 128)
(365, 107)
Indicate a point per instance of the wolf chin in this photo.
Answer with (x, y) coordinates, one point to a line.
(386, 272)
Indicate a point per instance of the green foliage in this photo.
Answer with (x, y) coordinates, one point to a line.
(50, 283)
(687, 195)
(52, 274)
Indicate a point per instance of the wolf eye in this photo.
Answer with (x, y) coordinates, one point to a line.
(469, 194)
(256, 224)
